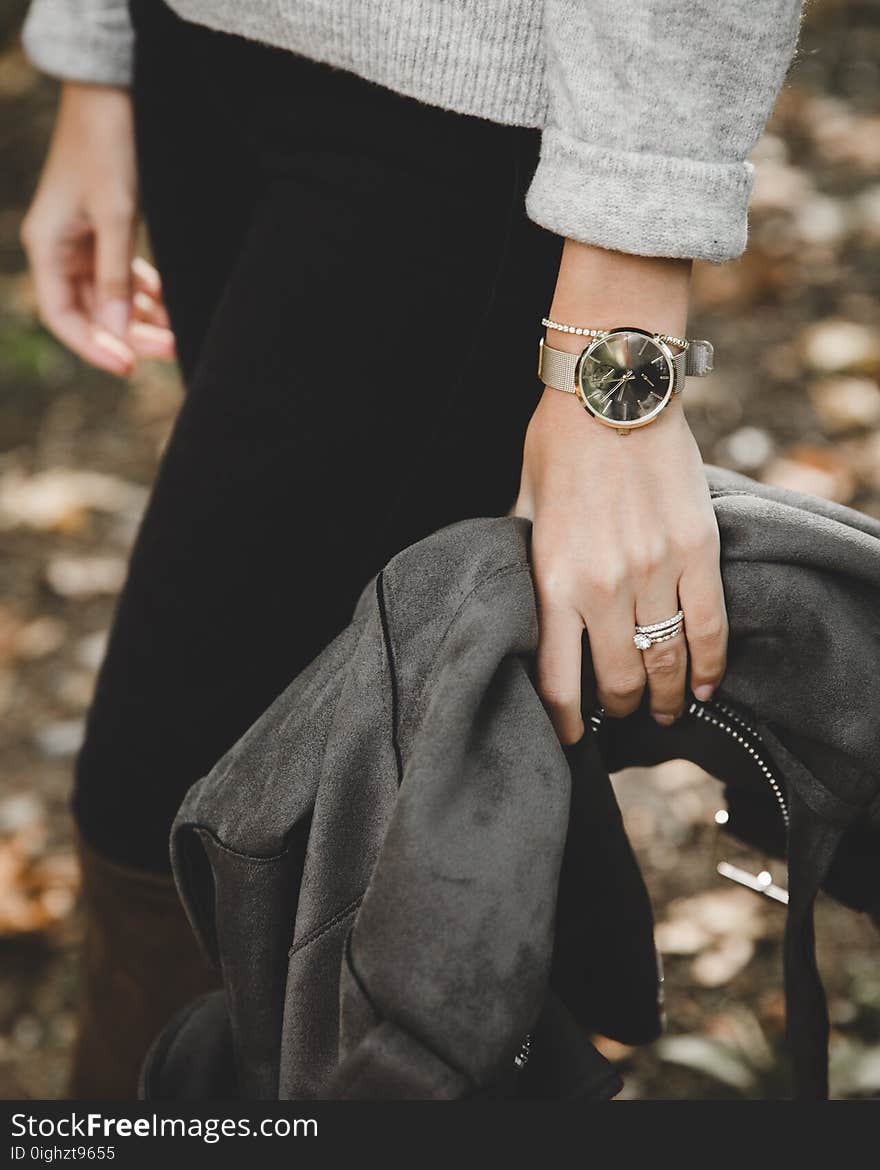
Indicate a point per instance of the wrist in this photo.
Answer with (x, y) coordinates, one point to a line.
(599, 289)
(562, 417)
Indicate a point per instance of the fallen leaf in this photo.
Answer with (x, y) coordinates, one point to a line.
(10, 627)
(842, 135)
(822, 220)
(7, 689)
(846, 403)
(80, 578)
(59, 499)
(27, 1033)
(746, 449)
(722, 961)
(711, 1057)
(681, 936)
(863, 455)
(19, 812)
(39, 638)
(91, 649)
(721, 912)
(37, 889)
(816, 471)
(60, 739)
(839, 346)
(855, 1068)
(779, 187)
(866, 213)
(74, 688)
(738, 1025)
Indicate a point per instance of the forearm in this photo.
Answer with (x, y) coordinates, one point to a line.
(599, 288)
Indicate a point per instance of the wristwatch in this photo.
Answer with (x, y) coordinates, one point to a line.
(626, 376)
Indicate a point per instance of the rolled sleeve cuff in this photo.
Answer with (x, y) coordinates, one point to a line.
(79, 54)
(645, 204)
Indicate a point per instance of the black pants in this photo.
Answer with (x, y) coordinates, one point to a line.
(356, 293)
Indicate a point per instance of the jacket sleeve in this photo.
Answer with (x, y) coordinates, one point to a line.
(80, 40)
(653, 107)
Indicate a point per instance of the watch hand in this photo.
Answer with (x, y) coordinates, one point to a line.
(609, 394)
(623, 383)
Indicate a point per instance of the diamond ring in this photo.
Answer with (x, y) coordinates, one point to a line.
(647, 636)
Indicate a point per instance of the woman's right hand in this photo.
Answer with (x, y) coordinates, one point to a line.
(623, 529)
(79, 235)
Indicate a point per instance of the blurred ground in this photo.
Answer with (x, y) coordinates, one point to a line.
(795, 401)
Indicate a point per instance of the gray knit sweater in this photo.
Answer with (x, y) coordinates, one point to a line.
(648, 108)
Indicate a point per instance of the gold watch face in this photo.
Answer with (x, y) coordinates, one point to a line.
(625, 378)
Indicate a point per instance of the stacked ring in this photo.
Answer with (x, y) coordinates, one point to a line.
(647, 636)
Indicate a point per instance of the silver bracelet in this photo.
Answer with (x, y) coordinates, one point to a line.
(581, 331)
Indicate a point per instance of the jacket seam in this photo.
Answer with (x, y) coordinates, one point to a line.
(404, 1029)
(328, 924)
(502, 571)
(392, 674)
(201, 829)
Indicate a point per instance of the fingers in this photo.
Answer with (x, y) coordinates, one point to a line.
(617, 664)
(63, 313)
(701, 593)
(665, 662)
(147, 301)
(145, 278)
(151, 341)
(114, 242)
(69, 306)
(62, 266)
(621, 670)
(559, 668)
(149, 332)
(144, 308)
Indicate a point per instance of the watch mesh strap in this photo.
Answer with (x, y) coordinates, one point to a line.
(556, 367)
(700, 358)
(680, 363)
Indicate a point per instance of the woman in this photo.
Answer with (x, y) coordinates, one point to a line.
(360, 214)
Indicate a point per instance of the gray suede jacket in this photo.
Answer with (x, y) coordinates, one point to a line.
(401, 873)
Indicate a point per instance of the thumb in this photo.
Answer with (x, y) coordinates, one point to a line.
(114, 248)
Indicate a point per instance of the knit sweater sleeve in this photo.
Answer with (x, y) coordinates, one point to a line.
(654, 106)
(80, 40)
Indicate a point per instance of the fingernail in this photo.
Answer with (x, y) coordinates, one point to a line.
(114, 317)
(704, 692)
(665, 720)
(120, 352)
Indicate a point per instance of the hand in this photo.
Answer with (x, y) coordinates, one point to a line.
(623, 527)
(79, 236)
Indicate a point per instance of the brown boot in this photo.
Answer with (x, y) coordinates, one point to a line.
(140, 964)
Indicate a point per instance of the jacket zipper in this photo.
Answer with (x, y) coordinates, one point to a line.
(720, 716)
(727, 721)
(733, 725)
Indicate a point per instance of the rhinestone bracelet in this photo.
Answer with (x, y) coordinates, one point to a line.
(581, 331)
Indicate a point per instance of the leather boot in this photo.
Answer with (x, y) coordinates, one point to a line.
(140, 964)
